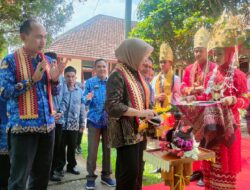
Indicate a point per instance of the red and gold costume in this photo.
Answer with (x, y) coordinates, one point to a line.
(221, 175)
(195, 73)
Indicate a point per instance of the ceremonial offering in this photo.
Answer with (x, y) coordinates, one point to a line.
(155, 127)
(179, 140)
(209, 117)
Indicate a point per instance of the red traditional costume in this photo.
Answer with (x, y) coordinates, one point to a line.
(194, 74)
(221, 175)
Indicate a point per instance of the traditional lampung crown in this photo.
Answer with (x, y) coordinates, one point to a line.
(228, 31)
(201, 38)
(166, 52)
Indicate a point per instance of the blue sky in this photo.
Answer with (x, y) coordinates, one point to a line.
(84, 11)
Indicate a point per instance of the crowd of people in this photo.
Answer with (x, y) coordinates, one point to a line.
(44, 111)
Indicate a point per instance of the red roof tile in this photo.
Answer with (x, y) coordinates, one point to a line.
(96, 38)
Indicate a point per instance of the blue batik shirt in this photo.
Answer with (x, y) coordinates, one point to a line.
(3, 124)
(73, 108)
(8, 91)
(57, 99)
(96, 114)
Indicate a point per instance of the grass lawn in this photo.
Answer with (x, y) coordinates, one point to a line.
(148, 177)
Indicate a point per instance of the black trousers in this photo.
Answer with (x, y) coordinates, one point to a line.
(69, 139)
(56, 155)
(79, 139)
(4, 171)
(30, 155)
(129, 167)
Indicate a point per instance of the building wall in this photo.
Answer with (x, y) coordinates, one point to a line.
(77, 64)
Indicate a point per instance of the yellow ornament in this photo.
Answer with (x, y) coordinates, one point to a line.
(166, 53)
(142, 126)
(228, 31)
(201, 38)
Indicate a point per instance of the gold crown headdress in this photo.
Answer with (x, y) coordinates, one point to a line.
(228, 31)
(201, 38)
(166, 52)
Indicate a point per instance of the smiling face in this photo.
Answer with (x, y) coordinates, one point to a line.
(35, 39)
(200, 54)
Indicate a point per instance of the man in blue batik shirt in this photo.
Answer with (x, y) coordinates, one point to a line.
(94, 97)
(27, 79)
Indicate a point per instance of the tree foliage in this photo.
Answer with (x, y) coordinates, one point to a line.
(52, 13)
(176, 21)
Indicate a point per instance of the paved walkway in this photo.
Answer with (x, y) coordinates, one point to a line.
(77, 182)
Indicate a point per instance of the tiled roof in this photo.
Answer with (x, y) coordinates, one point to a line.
(96, 38)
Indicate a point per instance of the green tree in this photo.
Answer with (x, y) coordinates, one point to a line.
(176, 21)
(52, 13)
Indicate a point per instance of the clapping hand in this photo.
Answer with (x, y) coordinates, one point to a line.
(40, 69)
(57, 69)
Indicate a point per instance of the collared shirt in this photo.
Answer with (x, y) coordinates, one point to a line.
(57, 99)
(96, 115)
(73, 107)
(3, 123)
(8, 91)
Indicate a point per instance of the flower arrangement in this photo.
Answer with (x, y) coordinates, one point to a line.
(167, 121)
(180, 141)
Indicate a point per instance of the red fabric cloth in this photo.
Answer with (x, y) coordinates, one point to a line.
(187, 82)
(197, 165)
(215, 178)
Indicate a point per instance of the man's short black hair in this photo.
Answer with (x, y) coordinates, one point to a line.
(51, 54)
(70, 69)
(25, 27)
(98, 60)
